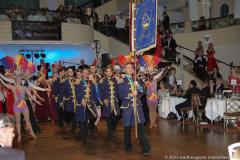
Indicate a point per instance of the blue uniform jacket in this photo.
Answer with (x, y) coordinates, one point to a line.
(110, 95)
(81, 94)
(124, 91)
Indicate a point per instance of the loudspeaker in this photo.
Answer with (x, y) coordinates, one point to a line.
(105, 59)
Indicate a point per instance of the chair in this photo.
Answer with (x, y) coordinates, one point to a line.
(232, 150)
(232, 111)
(196, 102)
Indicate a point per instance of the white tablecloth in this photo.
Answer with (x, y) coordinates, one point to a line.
(168, 105)
(214, 108)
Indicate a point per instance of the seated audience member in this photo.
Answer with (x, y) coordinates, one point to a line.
(162, 91)
(200, 63)
(209, 89)
(215, 74)
(188, 96)
(174, 89)
(219, 85)
(6, 138)
(234, 76)
(171, 78)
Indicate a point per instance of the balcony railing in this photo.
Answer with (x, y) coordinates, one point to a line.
(177, 27)
(32, 30)
(213, 23)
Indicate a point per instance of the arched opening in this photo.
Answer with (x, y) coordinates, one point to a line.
(224, 10)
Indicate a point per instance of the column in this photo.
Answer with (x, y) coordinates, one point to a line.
(236, 9)
(193, 10)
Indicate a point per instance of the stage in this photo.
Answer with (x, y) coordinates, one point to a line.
(171, 140)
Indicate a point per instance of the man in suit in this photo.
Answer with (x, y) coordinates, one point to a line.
(6, 138)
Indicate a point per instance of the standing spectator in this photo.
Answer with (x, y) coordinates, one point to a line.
(94, 16)
(19, 16)
(159, 47)
(120, 24)
(6, 137)
(106, 25)
(212, 63)
(166, 19)
(47, 14)
(113, 22)
(200, 47)
(202, 24)
(126, 33)
(172, 45)
(60, 13)
(82, 64)
(106, 21)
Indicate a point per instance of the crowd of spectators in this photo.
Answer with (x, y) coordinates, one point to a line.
(205, 66)
(62, 13)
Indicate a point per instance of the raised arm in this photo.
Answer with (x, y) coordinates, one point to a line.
(7, 79)
(7, 85)
(27, 90)
(37, 95)
(37, 88)
(158, 76)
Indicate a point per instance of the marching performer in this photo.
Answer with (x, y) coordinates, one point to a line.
(69, 99)
(86, 105)
(95, 78)
(108, 93)
(128, 88)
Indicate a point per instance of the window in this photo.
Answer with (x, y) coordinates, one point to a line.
(224, 10)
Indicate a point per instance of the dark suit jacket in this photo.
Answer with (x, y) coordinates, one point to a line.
(189, 92)
(11, 154)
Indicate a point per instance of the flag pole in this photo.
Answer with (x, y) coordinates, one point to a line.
(133, 49)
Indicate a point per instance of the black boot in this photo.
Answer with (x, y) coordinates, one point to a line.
(143, 140)
(127, 139)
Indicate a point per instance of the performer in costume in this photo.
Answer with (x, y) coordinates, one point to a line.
(42, 111)
(58, 90)
(152, 96)
(86, 105)
(108, 93)
(95, 78)
(20, 106)
(127, 90)
(52, 103)
(69, 100)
